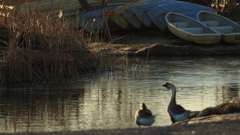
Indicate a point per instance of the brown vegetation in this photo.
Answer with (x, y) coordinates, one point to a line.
(44, 49)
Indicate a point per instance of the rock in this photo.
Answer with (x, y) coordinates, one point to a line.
(212, 118)
(235, 100)
(221, 112)
(224, 108)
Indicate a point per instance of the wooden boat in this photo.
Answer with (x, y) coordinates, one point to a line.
(117, 16)
(230, 30)
(157, 14)
(95, 20)
(137, 15)
(190, 29)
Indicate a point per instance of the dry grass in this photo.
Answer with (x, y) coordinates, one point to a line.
(232, 11)
(42, 49)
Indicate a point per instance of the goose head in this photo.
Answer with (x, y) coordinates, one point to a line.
(144, 108)
(169, 85)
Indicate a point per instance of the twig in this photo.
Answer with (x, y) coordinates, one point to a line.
(4, 42)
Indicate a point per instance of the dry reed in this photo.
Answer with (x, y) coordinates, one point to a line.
(232, 11)
(42, 49)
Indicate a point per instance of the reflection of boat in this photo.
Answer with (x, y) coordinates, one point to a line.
(230, 30)
(137, 14)
(157, 14)
(94, 20)
(117, 16)
(190, 29)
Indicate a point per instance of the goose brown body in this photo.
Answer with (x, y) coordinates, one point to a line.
(143, 116)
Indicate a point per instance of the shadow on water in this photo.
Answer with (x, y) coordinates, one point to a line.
(28, 109)
(111, 101)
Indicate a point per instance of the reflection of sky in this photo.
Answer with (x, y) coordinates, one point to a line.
(111, 101)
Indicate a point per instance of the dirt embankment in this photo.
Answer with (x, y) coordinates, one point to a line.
(226, 127)
(164, 43)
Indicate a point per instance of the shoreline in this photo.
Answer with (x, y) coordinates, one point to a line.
(229, 127)
(158, 44)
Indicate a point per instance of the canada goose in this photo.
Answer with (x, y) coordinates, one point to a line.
(175, 111)
(143, 116)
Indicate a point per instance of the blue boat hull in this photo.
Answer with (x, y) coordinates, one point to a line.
(94, 20)
(141, 9)
(130, 15)
(157, 14)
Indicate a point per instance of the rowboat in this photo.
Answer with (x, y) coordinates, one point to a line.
(117, 16)
(131, 17)
(230, 30)
(139, 12)
(95, 20)
(190, 29)
(157, 14)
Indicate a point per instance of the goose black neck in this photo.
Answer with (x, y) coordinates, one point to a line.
(173, 98)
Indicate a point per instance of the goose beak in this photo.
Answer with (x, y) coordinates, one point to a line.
(165, 85)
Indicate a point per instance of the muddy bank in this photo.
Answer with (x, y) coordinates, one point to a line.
(159, 43)
(161, 49)
(229, 127)
(172, 49)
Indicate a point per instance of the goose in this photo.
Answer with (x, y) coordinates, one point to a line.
(143, 116)
(175, 111)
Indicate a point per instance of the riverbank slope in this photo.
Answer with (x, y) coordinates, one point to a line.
(224, 127)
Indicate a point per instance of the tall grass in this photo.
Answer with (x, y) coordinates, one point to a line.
(43, 49)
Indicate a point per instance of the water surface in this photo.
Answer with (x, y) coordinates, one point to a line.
(111, 101)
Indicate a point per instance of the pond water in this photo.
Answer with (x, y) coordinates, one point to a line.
(111, 101)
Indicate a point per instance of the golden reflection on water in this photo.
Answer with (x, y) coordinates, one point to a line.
(111, 101)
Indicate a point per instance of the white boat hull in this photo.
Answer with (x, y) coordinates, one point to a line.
(230, 30)
(191, 30)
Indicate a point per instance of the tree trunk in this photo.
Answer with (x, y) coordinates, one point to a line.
(85, 5)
